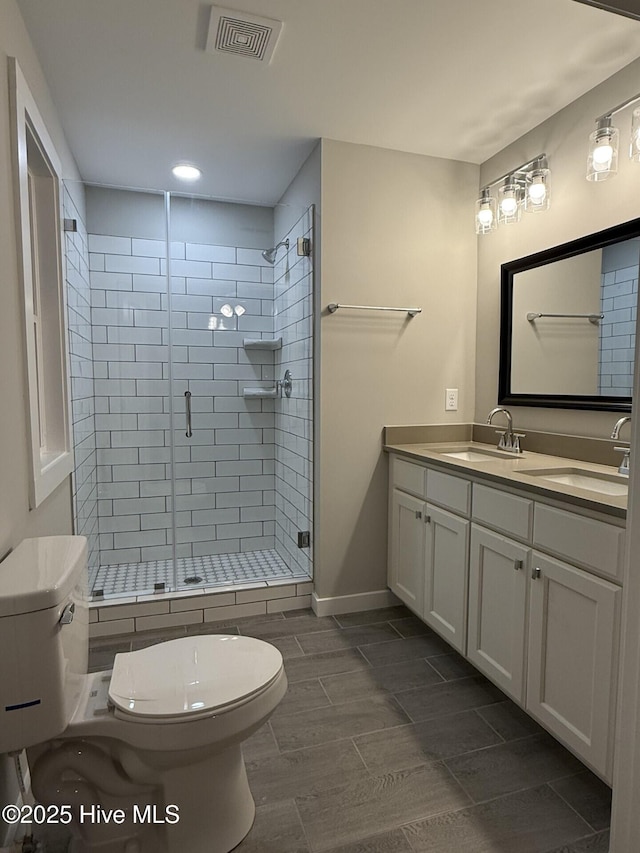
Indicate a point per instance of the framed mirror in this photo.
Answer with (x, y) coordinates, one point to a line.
(568, 323)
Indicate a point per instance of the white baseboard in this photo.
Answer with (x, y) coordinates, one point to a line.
(353, 603)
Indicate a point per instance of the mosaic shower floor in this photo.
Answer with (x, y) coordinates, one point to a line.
(249, 567)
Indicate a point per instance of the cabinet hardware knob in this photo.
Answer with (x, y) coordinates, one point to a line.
(535, 574)
(518, 564)
(418, 514)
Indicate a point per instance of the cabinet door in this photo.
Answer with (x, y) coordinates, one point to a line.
(445, 593)
(498, 580)
(406, 549)
(571, 684)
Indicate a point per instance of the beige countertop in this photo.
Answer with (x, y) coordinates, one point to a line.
(512, 470)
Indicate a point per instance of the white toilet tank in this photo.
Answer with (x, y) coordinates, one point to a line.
(44, 638)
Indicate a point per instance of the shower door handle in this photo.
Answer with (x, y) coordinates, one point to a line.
(187, 400)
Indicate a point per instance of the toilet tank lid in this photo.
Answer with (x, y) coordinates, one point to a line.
(40, 573)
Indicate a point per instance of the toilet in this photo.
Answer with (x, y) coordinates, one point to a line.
(147, 758)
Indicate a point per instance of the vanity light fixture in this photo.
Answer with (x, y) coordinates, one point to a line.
(525, 188)
(486, 212)
(186, 172)
(602, 162)
(537, 196)
(510, 195)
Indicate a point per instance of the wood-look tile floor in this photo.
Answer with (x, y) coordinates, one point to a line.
(389, 742)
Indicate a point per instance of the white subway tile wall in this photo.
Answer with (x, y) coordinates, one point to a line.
(84, 478)
(243, 479)
(619, 294)
(230, 450)
(293, 321)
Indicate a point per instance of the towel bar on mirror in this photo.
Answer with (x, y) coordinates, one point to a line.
(592, 318)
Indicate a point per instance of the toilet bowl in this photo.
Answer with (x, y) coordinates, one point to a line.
(147, 758)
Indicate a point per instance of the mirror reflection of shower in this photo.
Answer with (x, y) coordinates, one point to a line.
(270, 254)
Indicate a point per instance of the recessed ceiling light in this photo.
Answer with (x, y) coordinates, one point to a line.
(186, 172)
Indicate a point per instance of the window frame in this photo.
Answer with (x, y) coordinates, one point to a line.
(39, 228)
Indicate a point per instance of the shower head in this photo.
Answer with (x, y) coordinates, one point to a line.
(270, 254)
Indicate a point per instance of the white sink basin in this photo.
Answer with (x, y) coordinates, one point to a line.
(475, 454)
(582, 478)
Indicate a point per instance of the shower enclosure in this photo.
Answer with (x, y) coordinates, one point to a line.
(203, 464)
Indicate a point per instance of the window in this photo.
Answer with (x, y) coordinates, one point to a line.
(39, 226)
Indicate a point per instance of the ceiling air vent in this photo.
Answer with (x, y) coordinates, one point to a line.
(242, 34)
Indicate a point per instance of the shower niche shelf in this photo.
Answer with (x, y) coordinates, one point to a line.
(262, 343)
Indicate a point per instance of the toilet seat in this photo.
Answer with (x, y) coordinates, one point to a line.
(191, 677)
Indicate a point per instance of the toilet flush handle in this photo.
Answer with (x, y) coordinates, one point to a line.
(68, 614)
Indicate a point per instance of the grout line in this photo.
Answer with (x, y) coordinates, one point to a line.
(589, 837)
(534, 788)
(558, 794)
(401, 635)
(366, 766)
(302, 826)
(480, 717)
(331, 702)
(439, 674)
(302, 651)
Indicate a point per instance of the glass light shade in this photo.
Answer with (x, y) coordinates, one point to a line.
(603, 153)
(486, 213)
(537, 191)
(634, 146)
(509, 204)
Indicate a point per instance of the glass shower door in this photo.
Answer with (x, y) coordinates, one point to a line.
(221, 294)
(203, 468)
(130, 320)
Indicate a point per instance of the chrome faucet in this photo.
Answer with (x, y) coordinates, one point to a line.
(626, 459)
(509, 440)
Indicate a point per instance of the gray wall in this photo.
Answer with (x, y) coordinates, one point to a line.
(397, 229)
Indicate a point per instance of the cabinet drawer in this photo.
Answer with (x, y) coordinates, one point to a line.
(450, 492)
(408, 477)
(593, 544)
(503, 511)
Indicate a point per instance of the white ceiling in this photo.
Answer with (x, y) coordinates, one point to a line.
(460, 79)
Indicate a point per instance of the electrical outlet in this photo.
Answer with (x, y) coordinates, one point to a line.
(451, 400)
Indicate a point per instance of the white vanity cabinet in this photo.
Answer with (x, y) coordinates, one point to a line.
(445, 585)
(428, 546)
(498, 582)
(528, 591)
(572, 664)
(407, 549)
